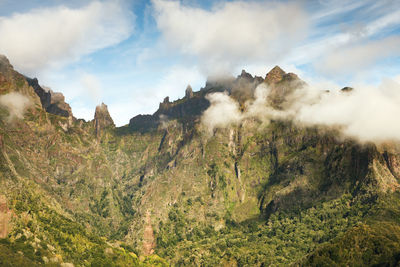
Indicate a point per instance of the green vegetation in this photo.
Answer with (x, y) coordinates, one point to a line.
(249, 195)
(284, 238)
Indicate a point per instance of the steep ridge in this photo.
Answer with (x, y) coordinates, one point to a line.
(102, 119)
(52, 102)
(59, 186)
(249, 194)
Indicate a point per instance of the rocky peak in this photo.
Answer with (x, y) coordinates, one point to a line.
(346, 89)
(275, 75)
(102, 118)
(5, 68)
(189, 92)
(281, 84)
(165, 104)
(52, 102)
(4, 63)
(245, 75)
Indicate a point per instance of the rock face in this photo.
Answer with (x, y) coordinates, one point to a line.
(189, 92)
(102, 118)
(5, 217)
(244, 86)
(52, 102)
(165, 104)
(5, 64)
(281, 85)
(275, 75)
(148, 237)
(245, 75)
(12, 81)
(346, 89)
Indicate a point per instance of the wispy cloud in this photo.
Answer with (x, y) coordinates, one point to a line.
(355, 58)
(349, 38)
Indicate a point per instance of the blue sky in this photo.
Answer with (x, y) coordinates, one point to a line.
(131, 54)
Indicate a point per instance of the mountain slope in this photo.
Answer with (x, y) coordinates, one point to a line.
(250, 193)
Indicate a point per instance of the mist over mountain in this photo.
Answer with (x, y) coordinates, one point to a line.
(199, 133)
(248, 171)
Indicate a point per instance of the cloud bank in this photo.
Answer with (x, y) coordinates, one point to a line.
(51, 37)
(16, 105)
(368, 113)
(232, 33)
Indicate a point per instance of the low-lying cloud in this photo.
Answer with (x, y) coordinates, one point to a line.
(16, 105)
(49, 37)
(223, 112)
(367, 113)
(231, 34)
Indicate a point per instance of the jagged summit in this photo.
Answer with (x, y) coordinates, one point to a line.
(52, 102)
(275, 75)
(346, 89)
(240, 88)
(102, 118)
(4, 62)
(245, 75)
(189, 92)
(6, 68)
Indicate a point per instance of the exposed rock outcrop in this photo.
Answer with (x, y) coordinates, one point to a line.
(275, 75)
(281, 85)
(12, 81)
(165, 104)
(5, 217)
(5, 65)
(52, 102)
(245, 75)
(148, 236)
(244, 86)
(189, 92)
(102, 118)
(346, 89)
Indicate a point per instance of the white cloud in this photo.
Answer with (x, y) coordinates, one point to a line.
(50, 37)
(223, 112)
(392, 19)
(232, 33)
(348, 39)
(368, 113)
(16, 104)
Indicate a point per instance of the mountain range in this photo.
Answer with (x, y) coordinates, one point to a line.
(211, 179)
